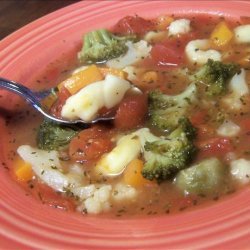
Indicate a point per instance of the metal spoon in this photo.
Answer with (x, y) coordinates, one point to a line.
(35, 99)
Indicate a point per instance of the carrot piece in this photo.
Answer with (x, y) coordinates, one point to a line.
(81, 79)
(23, 170)
(221, 35)
(132, 174)
(116, 72)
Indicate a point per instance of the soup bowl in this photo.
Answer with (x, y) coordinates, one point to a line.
(47, 47)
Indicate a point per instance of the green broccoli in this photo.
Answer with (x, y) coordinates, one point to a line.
(205, 177)
(215, 75)
(101, 45)
(185, 125)
(165, 111)
(164, 157)
(52, 136)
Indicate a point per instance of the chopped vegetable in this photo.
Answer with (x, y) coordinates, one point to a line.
(242, 33)
(133, 25)
(221, 35)
(113, 163)
(116, 72)
(216, 75)
(52, 136)
(238, 89)
(135, 53)
(133, 176)
(205, 177)
(90, 144)
(179, 27)
(131, 112)
(47, 167)
(162, 22)
(228, 129)
(150, 77)
(86, 103)
(101, 45)
(166, 110)
(166, 54)
(240, 170)
(23, 170)
(81, 79)
(215, 146)
(166, 156)
(199, 52)
(61, 98)
(155, 36)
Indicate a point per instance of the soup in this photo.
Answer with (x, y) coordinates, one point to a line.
(178, 89)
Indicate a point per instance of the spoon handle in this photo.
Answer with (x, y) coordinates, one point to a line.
(30, 96)
(21, 90)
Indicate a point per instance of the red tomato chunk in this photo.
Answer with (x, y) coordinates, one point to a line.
(56, 108)
(133, 25)
(217, 146)
(131, 112)
(90, 144)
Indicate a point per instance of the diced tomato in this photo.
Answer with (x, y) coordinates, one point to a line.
(170, 53)
(105, 112)
(245, 125)
(131, 112)
(90, 144)
(198, 118)
(133, 25)
(56, 108)
(217, 146)
(170, 56)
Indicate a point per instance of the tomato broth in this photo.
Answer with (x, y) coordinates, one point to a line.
(102, 179)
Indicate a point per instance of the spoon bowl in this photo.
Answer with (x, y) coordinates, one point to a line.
(36, 98)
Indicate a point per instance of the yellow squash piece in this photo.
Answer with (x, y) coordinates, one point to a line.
(116, 72)
(22, 170)
(81, 79)
(221, 35)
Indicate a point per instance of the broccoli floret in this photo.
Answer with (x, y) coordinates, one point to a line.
(101, 45)
(215, 75)
(165, 111)
(52, 136)
(186, 127)
(205, 177)
(164, 157)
